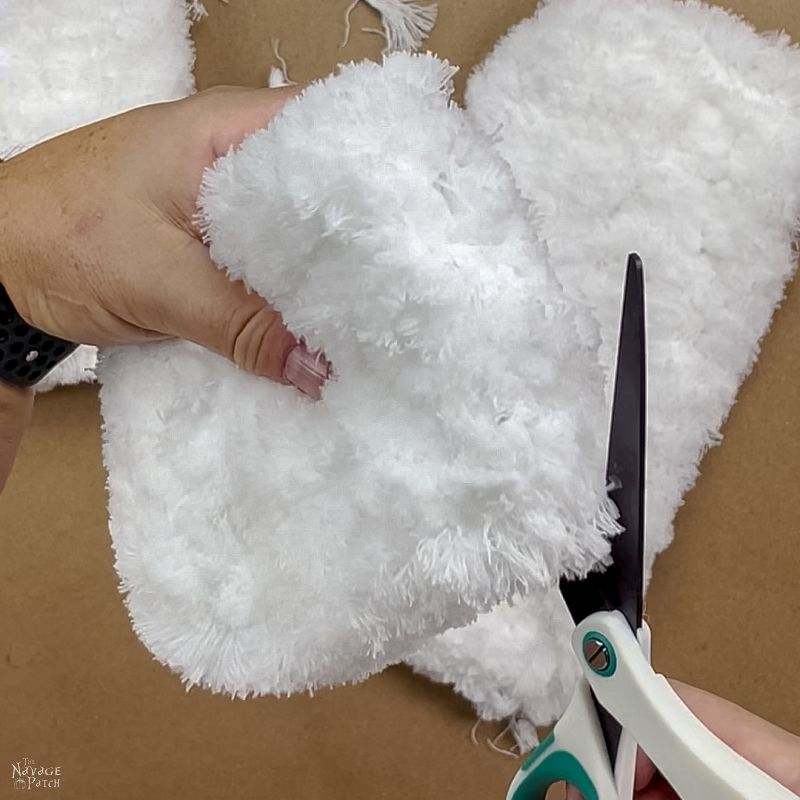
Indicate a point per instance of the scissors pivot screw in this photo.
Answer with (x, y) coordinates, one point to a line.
(596, 654)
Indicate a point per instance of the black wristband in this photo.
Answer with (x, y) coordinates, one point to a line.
(26, 353)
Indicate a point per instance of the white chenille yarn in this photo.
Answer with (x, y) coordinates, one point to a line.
(66, 64)
(268, 543)
(672, 129)
(514, 663)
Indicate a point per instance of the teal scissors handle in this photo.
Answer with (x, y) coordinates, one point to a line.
(697, 764)
(574, 752)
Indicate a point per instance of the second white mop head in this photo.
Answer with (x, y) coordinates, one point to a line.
(672, 129)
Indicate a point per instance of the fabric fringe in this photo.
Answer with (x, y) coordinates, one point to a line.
(405, 24)
(279, 76)
(195, 10)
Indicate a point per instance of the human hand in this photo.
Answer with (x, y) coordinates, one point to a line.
(770, 748)
(98, 244)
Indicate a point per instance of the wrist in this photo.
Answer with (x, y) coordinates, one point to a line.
(5, 225)
(25, 219)
(27, 353)
(10, 224)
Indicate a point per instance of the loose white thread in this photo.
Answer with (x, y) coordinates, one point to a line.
(196, 10)
(279, 76)
(405, 23)
(513, 752)
(473, 731)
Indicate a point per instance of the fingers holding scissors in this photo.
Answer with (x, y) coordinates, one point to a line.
(763, 744)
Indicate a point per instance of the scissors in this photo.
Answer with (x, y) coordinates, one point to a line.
(620, 702)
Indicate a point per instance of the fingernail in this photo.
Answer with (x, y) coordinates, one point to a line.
(306, 371)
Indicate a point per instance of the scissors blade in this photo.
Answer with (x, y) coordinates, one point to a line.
(620, 586)
(625, 472)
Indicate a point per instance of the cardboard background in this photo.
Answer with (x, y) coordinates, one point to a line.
(78, 690)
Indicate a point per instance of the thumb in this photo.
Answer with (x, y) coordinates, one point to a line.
(16, 405)
(200, 303)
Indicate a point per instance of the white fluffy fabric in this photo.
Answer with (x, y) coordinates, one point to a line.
(66, 64)
(668, 128)
(77, 368)
(268, 543)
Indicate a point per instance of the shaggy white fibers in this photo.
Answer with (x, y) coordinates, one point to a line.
(66, 64)
(268, 543)
(672, 129)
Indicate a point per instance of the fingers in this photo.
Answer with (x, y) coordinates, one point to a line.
(307, 371)
(195, 299)
(770, 748)
(775, 751)
(16, 405)
(238, 112)
(200, 303)
(645, 771)
(647, 784)
(657, 789)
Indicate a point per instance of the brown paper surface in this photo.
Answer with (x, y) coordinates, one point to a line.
(78, 690)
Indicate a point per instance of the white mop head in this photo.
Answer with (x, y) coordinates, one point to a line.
(268, 543)
(672, 129)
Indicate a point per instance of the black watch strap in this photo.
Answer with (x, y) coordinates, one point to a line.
(26, 353)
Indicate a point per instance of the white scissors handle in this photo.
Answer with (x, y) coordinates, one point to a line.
(633, 703)
(576, 752)
(697, 764)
